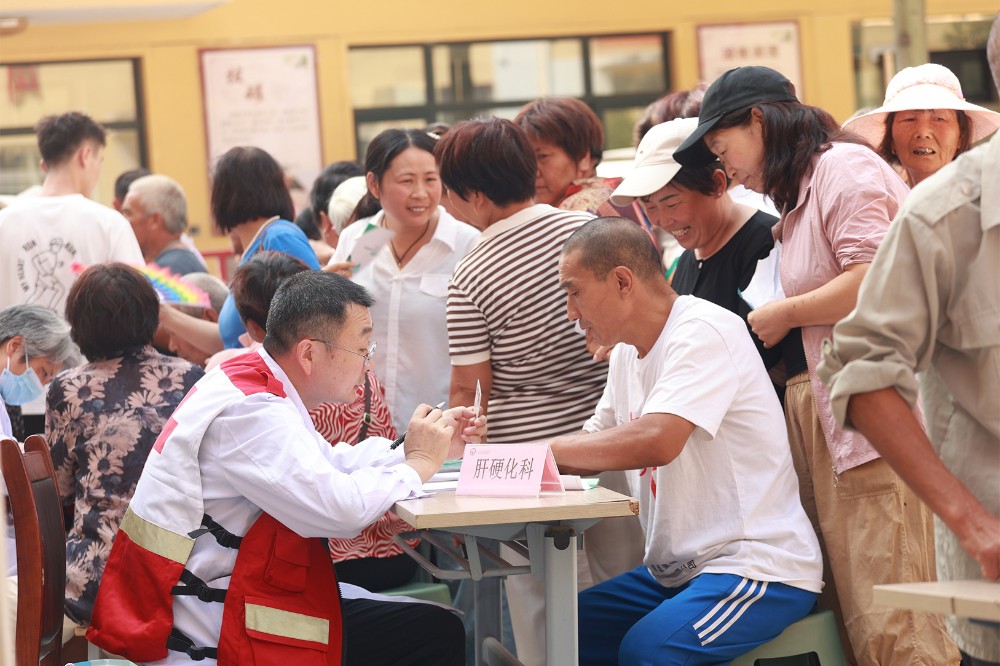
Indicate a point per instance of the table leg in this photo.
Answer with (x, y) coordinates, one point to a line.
(561, 645)
(486, 593)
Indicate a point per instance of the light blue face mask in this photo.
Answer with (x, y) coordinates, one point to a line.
(19, 389)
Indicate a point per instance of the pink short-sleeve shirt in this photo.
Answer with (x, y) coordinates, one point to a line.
(844, 208)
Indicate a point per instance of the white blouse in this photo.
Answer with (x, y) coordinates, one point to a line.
(412, 359)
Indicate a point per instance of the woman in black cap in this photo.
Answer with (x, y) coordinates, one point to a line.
(836, 198)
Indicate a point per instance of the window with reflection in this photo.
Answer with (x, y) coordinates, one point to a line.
(957, 42)
(416, 85)
(506, 71)
(107, 90)
(625, 65)
(387, 77)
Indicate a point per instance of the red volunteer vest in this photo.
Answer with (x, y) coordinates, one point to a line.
(282, 604)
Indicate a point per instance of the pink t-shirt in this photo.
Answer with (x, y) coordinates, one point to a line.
(844, 208)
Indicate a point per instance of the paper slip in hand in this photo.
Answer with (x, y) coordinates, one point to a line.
(478, 402)
(368, 246)
(765, 285)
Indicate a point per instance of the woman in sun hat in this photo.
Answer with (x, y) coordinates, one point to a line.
(924, 122)
(836, 198)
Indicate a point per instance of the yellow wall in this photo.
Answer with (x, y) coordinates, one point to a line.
(172, 85)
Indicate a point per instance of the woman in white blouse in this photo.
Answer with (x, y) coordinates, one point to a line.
(409, 275)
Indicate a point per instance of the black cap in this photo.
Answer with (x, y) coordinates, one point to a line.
(736, 89)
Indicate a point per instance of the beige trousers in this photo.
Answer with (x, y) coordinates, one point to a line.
(872, 529)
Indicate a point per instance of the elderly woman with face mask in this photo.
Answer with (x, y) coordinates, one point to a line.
(924, 122)
(34, 344)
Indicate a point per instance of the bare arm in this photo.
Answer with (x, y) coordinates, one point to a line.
(652, 440)
(201, 333)
(888, 423)
(463, 384)
(824, 305)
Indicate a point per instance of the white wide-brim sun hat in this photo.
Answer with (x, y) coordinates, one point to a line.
(655, 165)
(928, 86)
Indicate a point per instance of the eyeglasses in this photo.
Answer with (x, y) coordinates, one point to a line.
(367, 357)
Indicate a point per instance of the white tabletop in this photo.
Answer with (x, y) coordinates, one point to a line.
(445, 509)
(977, 599)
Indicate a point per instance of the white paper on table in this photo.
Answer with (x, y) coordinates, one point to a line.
(438, 486)
(574, 482)
(765, 285)
(369, 244)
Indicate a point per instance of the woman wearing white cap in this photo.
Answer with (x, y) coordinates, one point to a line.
(925, 121)
(723, 240)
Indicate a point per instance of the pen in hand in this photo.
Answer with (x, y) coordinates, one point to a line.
(399, 440)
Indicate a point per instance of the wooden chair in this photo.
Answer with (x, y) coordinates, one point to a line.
(33, 496)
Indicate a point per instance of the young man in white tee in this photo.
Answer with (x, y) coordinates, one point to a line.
(43, 237)
(689, 412)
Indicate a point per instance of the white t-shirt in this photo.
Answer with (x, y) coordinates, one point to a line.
(408, 317)
(41, 237)
(729, 503)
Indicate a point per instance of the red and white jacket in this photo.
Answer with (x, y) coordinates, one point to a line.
(241, 449)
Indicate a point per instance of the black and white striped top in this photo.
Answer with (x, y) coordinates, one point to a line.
(505, 305)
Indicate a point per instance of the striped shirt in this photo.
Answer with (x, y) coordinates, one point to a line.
(505, 306)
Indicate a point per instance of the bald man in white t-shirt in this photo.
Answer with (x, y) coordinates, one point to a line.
(689, 412)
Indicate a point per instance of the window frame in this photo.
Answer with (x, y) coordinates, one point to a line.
(429, 111)
(138, 125)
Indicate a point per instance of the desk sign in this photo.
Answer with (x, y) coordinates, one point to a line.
(508, 470)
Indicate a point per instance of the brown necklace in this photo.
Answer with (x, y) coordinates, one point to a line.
(400, 257)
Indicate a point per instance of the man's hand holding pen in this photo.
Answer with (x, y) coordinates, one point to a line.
(434, 435)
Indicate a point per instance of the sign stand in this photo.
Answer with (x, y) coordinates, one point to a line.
(508, 470)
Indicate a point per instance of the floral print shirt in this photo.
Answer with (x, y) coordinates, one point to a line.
(101, 421)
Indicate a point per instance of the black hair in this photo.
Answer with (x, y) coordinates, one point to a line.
(112, 308)
(327, 181)
(248, 184)
(125, 180)
(60, 136)
(256, 281)
(310, 304)
(700, 179)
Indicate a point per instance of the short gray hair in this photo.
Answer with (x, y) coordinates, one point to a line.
(46, 334)
(215, 288)
(163, 195)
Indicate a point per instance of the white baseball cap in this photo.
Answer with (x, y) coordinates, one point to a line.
(655, 165)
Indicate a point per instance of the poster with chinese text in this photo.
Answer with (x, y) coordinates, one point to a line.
(725, 46)
(264, 97)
